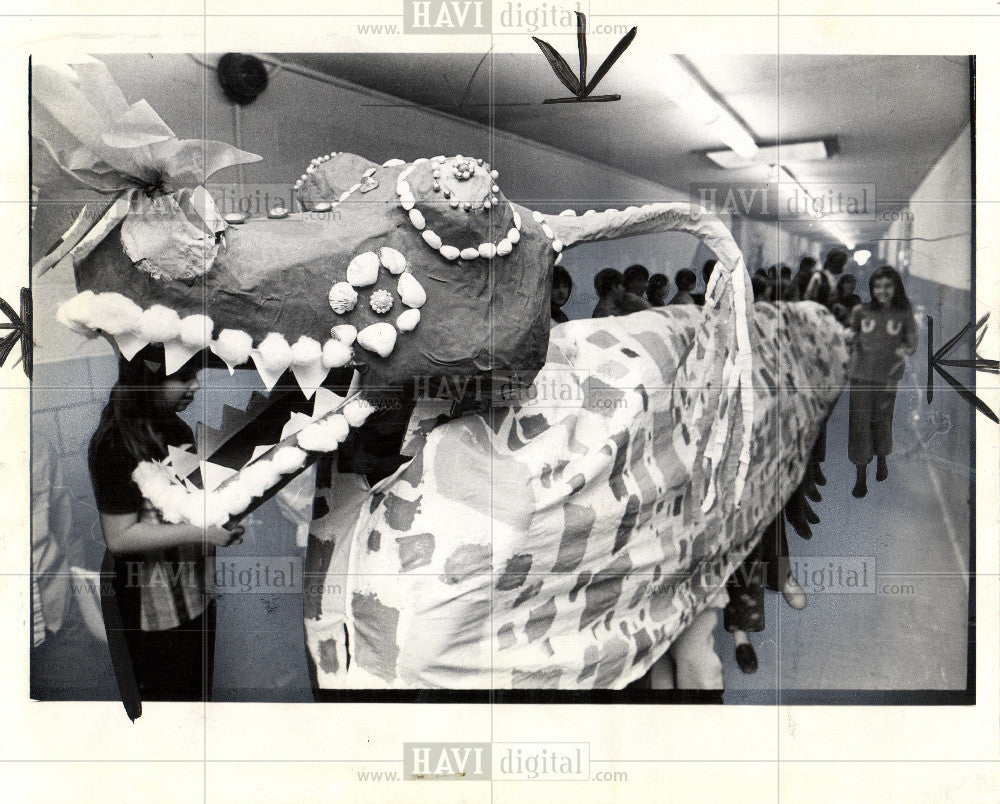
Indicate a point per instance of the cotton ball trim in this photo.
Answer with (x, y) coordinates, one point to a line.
(336, 353)
(115, 314)
(325, 435)
(357, 411)
(233, 346)
(258, 477)
(275, 353)
(76, 313)
(343, 297)
(288, 459)
(234, 496)
(205, 510)
(306, 352)
(160, 324)
(196, 331)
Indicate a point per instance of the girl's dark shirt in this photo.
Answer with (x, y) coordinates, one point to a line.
(158, 589)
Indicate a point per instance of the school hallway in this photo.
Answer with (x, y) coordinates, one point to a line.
(886, 576)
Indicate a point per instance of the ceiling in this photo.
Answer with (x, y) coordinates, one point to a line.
(892, 116)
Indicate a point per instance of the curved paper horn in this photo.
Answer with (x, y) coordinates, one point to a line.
(612, 224)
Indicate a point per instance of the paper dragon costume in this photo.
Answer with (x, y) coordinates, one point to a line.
(559, 541)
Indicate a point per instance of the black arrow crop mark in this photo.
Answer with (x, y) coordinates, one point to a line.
(20, 330)
(936, 361)
(579, 85)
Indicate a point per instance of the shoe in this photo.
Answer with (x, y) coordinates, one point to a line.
(882, 470)
(860, 489)
(746, 658)
(818, 477)
(793, 593)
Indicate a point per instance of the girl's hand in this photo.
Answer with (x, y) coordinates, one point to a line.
(225, 536)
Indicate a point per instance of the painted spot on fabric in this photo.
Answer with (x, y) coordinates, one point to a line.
(540, 619)
(527, 593)
(536, 680)
(582, 580)
(590, 659)
(374, 541)
(376, 500)
(604, 589)
(515, 571)
(505, 637)
(466, 561)
(533, 426)
(626, 526)
(399, 513)
(328, 656)
(375, 625)
(415, 551)
(612, 662)
(616, 481)
(578, 520)
(601, 397)
(602, 339)
(576, 483)
(319, 552)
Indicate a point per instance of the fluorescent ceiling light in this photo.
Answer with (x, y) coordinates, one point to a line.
(683, 89)
(787, 154)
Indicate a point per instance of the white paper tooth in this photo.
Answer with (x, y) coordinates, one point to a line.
(547, 231)
(393, 163)
(513, 235)
(321, 206)
(557, 245)
(379, 338)
(517, 219)
(394, 261)
(449, 252)
(417, 219)
(469, 253)
(408, 320)
(431, 238)
(487, 250)
(410, 291)
(407, 201)
(345, 333)
(363, 270)
(568, 213)
(504, 247)
(343, 297)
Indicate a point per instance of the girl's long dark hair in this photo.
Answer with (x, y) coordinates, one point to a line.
(132, 415)
(900, 301)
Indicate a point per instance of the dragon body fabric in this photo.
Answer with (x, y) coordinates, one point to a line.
(560, 542)
(564, 537)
